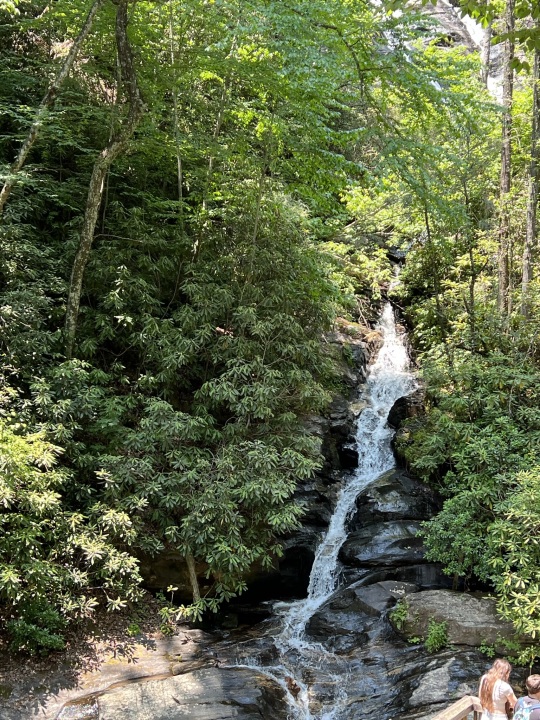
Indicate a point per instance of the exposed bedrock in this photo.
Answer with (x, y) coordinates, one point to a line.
(384, 529)
(391, 543)
(206, 694)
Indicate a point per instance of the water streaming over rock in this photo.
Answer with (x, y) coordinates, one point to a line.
(390, 378)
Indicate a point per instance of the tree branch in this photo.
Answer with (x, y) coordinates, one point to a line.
(45, 104)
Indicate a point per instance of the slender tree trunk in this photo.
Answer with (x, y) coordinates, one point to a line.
(193, 578)
(227, 83)
(471, 305)
(210, 167)
(486, 54)
(506, 151)
(45, 104)
(179, 170)
(107, 156)
(532, 201)
(215, 135)
(441, 317)
(265, 166)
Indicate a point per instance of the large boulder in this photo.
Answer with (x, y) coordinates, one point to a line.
(375, 599)
(342, 623)
(438, 682)
(471, 620)
(396, 495)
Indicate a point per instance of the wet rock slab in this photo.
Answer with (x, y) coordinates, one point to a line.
(386, 543)
(439, 681)
(377, 598)
(395, 495)
(387, 679)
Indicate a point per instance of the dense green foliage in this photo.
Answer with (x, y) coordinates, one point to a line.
(50, 554)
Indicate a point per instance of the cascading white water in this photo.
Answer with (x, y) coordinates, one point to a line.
(390, 378)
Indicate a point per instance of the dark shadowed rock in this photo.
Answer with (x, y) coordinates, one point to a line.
(374, 599)
(426, 576)
(396, 254)
(396, 495)
(169, 568)
(340, 417)
(407, 407)
(377, 598)
(317, 496)
(348, 457)
(342, 624)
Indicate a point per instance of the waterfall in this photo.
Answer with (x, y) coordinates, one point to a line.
(389, 378)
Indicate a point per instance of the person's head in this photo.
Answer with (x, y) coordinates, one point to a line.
(533, 684)
(500, 670)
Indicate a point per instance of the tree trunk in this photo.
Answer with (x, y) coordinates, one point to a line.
(179, 171)
(107, 156)
(45, 104)
(486, 54)
(532, 201)
(442, 321)
(470, 306)
(193, 578)
(504, 220)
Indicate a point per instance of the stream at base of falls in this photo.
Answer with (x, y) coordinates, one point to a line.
(315, 677)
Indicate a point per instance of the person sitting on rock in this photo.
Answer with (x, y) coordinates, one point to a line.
(529, 706)
(495, 693)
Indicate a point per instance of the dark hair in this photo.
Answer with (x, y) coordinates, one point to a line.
(533, 684)
(500, 670)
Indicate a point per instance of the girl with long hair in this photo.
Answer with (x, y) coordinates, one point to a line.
(495, 692)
